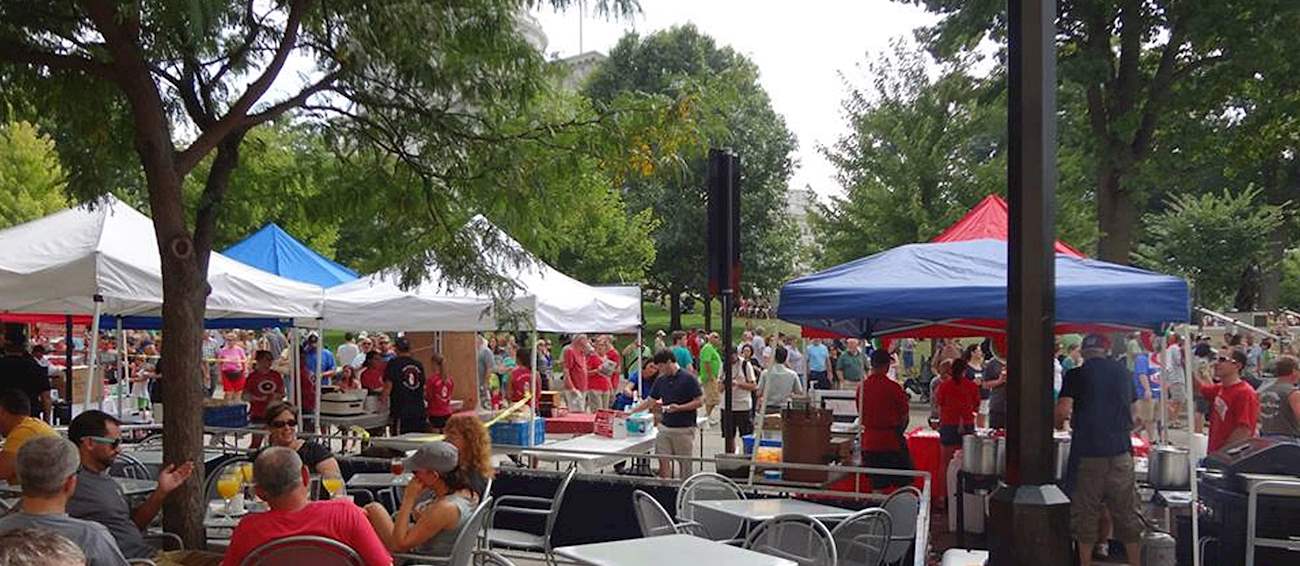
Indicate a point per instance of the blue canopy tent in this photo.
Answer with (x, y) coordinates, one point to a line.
(273, 250)
(960, 289)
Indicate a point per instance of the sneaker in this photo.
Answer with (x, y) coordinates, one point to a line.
(1101, 551)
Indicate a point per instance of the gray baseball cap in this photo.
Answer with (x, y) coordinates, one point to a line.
(436, 456)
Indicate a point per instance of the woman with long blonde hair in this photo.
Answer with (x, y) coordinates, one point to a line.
(471, 439)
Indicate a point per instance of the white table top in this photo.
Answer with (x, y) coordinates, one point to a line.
(617, 447)
(408, 441)
(378, 480)
(764, 509)
(368, 420)
(653, 551)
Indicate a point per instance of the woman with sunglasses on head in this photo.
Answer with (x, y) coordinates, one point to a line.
(428, 525)
(282, 425)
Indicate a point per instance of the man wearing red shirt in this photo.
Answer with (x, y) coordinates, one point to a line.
(1234, 406)
(883, 408)
(575, 373)
(437, 390)
(282, 482)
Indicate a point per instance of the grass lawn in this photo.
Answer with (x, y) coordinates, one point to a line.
(656, 318)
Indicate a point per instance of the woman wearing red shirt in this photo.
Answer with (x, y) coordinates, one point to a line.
(958, 399)
(372, 371)
(263, 387)
(437, 393)
(520, 378)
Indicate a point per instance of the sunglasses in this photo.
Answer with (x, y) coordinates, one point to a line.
(106, 441)
(282, 424)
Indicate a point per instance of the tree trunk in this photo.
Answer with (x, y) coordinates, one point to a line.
(674, 309)
(1116, 216)
(708, 312)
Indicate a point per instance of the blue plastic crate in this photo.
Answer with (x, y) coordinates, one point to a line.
(748, 439)
(231, 416)
(516, 433)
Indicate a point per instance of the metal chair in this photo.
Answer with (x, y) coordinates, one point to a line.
(863, 539)
(127, 466)
(525, 505)
(655, 521)
(903, 506)
(462, 551)
(708, 486)
(490, 558)
(798, 538)
(314, 550)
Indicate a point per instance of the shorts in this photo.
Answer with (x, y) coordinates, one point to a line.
(677, 441)
(599, 399)
(950, 435)
(232, 381)
(411, 424)
(1105, 483)
(819, 380)
(984, 407)
(908, 359)
(742, 421)
(712, 393)
(438, 422)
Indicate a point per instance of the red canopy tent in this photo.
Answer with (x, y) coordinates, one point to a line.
(987, 220)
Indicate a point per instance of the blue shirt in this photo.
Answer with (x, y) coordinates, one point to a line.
(818, 356)
(1142, 366)
(683, 356)
(1103, 396)
(326, 362)
(677, 389)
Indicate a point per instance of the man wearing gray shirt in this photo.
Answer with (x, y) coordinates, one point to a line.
(47, 467)
(778, 383)
(486, 362)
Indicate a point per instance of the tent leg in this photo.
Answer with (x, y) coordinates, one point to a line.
(1189, 383)
(532, 386)
(296, 371)
(92, 357)
(122, 372)
(640, 379)
(319, 379)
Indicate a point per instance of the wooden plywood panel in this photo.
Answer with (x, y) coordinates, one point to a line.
(457, 349)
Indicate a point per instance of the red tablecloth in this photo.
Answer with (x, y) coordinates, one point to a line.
(572, 423)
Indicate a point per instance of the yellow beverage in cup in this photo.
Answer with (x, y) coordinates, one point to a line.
(333, 485)
(228, 486)
(246, 472)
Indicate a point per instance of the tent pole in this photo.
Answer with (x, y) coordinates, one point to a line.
(532, 386)
(92, 357)
(294, 358)
(320, 357)
(122, 373)
(640, 375)
(1191, 441)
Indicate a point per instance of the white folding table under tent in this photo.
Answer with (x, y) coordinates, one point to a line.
(103, 260)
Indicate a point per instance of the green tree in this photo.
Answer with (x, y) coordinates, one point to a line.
(31, 179)
(920, 152)
(157, 88)
(733, 111)
(1128, 58)
(1212, 240)
(1290, 293)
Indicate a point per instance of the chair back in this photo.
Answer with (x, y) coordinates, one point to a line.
(557, 502)
(798, 538)
(490, 558)
(314, 550)
(862, 540)
(127, 466)
(210, 490)
(903, 506)
(462, 551)
(651, 516)
(708, 486)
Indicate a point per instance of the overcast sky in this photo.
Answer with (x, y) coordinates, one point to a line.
(800, 49)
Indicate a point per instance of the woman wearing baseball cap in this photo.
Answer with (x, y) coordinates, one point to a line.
(427, 526)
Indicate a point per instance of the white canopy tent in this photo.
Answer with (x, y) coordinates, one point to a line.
(59, 264)
(104, 260)
(549, 300)
(369, 303)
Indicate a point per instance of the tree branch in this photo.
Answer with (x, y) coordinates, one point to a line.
(1161, 84)
(22, 53)
(235, 116)
(299, 99)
